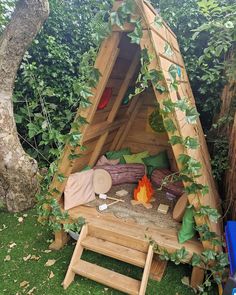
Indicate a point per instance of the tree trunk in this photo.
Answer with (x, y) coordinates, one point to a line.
(18, 172)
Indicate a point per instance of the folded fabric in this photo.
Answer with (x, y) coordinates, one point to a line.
(158, 161)
(136, 158)
(113, 155)
(187, 230)
(104, 161)
(79, 189)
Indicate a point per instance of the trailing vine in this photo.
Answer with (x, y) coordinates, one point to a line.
(190, 167)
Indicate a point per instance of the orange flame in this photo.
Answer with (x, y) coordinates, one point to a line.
(144, 191)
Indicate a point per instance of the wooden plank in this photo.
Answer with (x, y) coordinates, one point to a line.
(118, 237)
(116, 105)
(107, 277)
(99, 129)
(124, 232)
(116, 251)
(197, 199)
(158, 268)
(75, 258)
(129, 124)
(104, 63)
(146, 271)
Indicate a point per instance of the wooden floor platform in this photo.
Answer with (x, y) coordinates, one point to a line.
(132, 234)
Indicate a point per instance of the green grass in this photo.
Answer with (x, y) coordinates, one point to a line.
(31, 238)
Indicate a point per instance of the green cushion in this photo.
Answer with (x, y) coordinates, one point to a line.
(187, 230)
(158, 161)
(113, 155)
(136, 158)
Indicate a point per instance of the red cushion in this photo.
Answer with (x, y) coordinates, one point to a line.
(106, 96)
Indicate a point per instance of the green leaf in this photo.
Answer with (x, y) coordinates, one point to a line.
(191, 115)
(182, 104)
(196, 260)
(173, 71)
(160, 88)
(61, 177)
(169, 125)
(116, 20)
(158, 21)
(175, 139)
(74, 156)
(208, 211)
(85, 103)
(137, 34)
(191, 143)
(168, 50)
(168, 106)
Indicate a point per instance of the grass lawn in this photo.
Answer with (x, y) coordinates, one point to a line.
(20, 239)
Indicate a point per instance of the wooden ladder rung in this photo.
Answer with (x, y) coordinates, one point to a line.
(107, 277)
(116, 251)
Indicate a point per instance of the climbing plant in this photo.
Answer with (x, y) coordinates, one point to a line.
(190, 170)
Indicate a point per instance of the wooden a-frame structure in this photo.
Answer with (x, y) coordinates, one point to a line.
(119, 126)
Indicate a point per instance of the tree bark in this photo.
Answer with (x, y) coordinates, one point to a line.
(18, 172)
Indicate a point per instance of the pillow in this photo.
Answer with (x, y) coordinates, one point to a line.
(113, 155)
(136, 158)
(104, 161)
(158, 161)
(79, 189)
(187, 230)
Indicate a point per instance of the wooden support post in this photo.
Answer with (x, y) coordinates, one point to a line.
(197, 277)
(146, 271)
(61, 239)
(75, 258)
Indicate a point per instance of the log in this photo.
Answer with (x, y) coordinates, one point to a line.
(157, 177)
(124, 173)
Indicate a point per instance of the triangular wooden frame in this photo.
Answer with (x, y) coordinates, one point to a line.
(154, 39)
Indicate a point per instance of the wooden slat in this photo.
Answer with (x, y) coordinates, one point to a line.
(75, 258)
(146, 271)
(116, 251)
(106, 59)
(130, 234)
(118, 237)
(115, 108)
(98, 129)
(107, 277)
(157, 269)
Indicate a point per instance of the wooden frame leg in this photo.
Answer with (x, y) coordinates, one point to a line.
(61, 239)
(197, 277)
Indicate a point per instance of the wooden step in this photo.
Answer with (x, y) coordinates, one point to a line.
(107, 277)
(116, 251)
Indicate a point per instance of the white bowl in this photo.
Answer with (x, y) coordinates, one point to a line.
(74, 235)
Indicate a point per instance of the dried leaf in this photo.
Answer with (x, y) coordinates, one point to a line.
(7, 258)
(27, 257)
(20, 219)
(34, 257)
(51, 275)
(12, 245)
(185, 281)
(30, 292)
(24, 284)
(47, 251)
(50, 262)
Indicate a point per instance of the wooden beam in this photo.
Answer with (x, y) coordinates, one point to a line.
(104, 63)
(111, 117)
